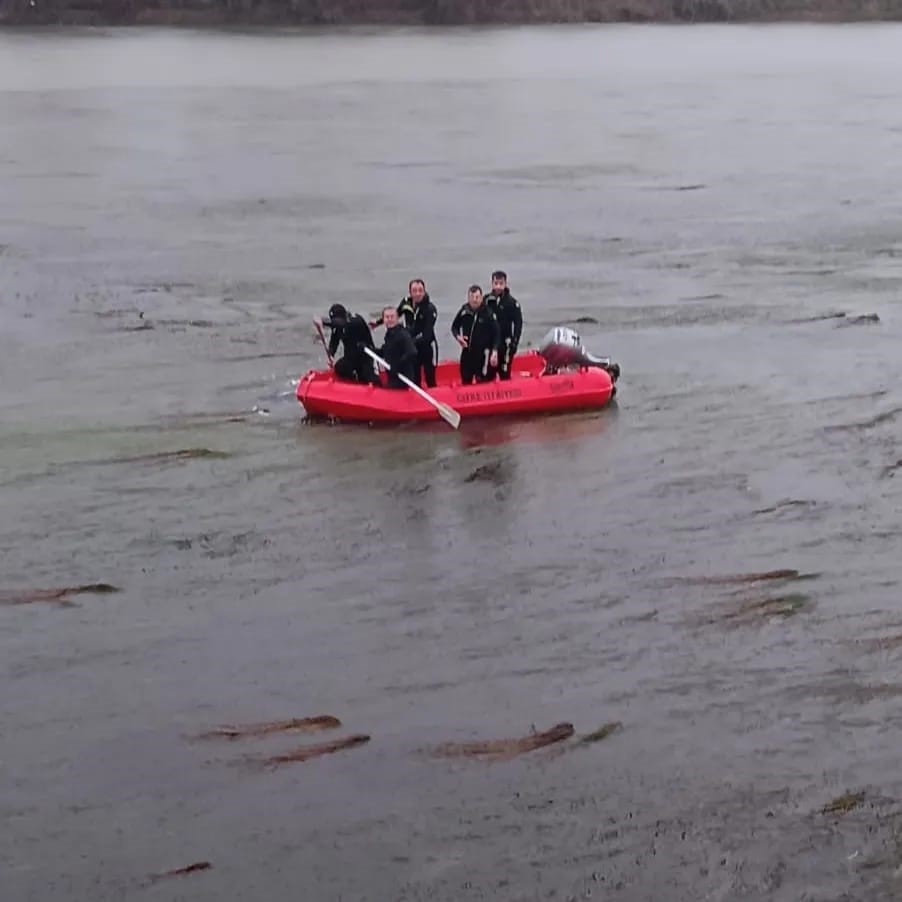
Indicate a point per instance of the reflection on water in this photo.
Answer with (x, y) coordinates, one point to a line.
(559, 428)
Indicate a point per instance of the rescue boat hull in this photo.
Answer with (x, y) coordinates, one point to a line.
(528, 391)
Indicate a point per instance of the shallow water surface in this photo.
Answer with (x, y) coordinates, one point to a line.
(714, 207)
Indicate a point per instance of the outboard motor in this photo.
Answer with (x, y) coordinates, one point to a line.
(562, 348)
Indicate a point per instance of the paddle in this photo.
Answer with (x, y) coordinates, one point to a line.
(322, 337)
(448, 414)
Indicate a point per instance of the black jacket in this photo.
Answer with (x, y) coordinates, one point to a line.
(478, 326)
(418, 319)
(507, 311)
(399, 351)
(422, 326)
(354, 335)
(405, 314)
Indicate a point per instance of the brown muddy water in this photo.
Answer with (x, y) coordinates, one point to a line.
(717, 208)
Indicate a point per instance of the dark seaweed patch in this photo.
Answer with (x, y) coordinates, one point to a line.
(293, 725)
(193, 868)
(308, 752)
(502, 749)
(59, 596)
(844, 803)
(740, 578)
(601, 733)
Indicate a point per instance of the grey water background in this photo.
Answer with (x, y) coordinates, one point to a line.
(701, 202)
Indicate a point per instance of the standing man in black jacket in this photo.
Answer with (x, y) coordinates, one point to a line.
(510, 321)
(475, 329)
(418, 315)
(422, 330)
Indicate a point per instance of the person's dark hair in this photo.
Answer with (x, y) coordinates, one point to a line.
(473, 289)
(499, 274)
(413, 282)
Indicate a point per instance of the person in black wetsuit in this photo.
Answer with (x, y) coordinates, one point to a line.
(398, 350)
(353, 332)
(422, 330)
(475, 329)
(418, 315)
(510, 321)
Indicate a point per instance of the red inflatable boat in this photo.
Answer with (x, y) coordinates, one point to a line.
(529, 390)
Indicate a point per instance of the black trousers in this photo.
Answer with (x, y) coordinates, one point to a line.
(505, 359)
(356, 368)
(474, 365)
(426, 364)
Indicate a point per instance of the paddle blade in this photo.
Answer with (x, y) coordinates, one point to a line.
(451, 417)
(448, 414)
